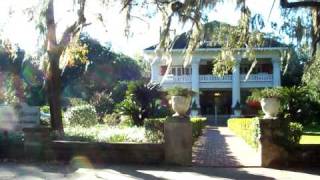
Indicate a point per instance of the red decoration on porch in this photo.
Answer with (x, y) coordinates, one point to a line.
(254, 104)
(267, 68)
(163, 70)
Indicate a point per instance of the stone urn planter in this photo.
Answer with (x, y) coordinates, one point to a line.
(270, 107)
(180, 105)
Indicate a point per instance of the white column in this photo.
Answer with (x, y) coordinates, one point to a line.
(195, 81)
(236, 83)
(276, 75)
(155, 69)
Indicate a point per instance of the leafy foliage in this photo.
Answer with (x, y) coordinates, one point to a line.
(140, 101)
(103, 103)
(258, 94)
(82, 115)
(246, 128)
(103, 70)
(111, 119)
(100, 133)
(155, 129)
(295, 132)
(198, 123)
(299, 105)
(180, 91)
(118, 92)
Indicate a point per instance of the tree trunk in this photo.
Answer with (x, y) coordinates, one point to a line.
(54, 93)
(315, 31)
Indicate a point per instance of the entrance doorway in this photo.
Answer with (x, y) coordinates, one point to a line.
(215, 101)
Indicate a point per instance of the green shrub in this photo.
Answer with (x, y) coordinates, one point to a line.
(126, 121)
(103, 103)
(295, 132)
(112, 119)
(45, 109)
(76, 102)
(83, 115)
(140, 101)
(246, 128)
(155, 129)
(258, 94)
(180, 91)
(299, 105)
(161, 112)
(198, 123)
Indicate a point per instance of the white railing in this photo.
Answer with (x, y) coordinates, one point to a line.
(175, 79)
(257, 77)
(213, 78)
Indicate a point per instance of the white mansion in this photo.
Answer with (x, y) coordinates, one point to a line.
(214, 91)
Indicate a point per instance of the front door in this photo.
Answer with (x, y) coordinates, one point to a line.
(215, 101)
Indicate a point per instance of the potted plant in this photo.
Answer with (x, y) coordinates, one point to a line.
(194, 109)
(237, 109)
(180, 100)
(269, 100)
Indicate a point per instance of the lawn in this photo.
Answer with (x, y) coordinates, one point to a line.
(311, 135)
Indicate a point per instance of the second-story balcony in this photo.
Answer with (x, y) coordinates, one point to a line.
(206, 81)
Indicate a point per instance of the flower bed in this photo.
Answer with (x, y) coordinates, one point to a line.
(103, 133)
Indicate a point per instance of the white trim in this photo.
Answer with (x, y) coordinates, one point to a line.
(219, 49)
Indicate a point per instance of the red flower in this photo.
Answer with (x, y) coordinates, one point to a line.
(253, 104)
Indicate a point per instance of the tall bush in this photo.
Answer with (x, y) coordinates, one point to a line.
(140, 101)
(299, 105)
(103, 103)
(83, 115)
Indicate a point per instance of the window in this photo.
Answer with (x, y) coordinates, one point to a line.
(180, 70)
(173, 71)
(179, 73)
(187, 72)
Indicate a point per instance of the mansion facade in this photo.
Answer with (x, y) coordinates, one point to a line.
(215, 94)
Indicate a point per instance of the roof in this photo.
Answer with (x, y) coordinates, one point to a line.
(181, 41)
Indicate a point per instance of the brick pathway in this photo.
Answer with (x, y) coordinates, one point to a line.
(219, 147)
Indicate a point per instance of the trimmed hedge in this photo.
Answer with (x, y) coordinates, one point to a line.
(155, 128)
(83, 115)
(198, 123)
(246, 128)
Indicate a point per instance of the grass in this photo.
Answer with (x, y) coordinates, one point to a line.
(311, 135)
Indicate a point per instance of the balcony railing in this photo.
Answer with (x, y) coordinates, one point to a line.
(179, 79)
(213, 78)
(257, 77)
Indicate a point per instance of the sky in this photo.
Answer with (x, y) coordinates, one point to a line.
(145, 32)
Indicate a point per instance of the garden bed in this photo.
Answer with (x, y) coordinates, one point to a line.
(107, 134)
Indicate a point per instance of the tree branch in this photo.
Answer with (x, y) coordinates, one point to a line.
(51, 26)
(286, 4)
(72, 30)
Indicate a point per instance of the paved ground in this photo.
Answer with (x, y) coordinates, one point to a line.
(219, 147)
(116, 172)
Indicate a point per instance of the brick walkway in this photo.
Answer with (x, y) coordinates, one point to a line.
(219, 147)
